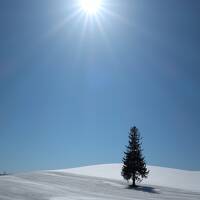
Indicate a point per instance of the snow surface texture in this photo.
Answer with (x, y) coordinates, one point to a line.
(73, 184)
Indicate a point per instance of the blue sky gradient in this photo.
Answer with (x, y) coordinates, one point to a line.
(69, 92)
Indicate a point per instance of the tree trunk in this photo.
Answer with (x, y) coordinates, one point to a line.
(133, 182)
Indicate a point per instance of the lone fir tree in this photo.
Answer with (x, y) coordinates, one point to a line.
(134, 166)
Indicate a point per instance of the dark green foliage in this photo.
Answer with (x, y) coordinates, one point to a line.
(134, 166)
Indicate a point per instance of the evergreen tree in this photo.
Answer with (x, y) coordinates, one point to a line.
(134, 166)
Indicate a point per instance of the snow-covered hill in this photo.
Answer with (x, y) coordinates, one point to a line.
(100, 182)
(161, 176)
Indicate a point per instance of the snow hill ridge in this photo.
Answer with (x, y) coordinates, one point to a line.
(160, 176)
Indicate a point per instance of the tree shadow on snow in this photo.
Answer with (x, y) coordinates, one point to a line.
(143, 189)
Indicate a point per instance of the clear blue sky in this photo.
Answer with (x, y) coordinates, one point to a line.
(70, 90)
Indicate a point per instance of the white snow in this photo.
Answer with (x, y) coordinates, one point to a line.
(161, 176)
(99, 182)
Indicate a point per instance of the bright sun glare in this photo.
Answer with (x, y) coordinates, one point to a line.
(91, 6)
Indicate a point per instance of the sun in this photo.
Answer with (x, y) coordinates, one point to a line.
(91, 7)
